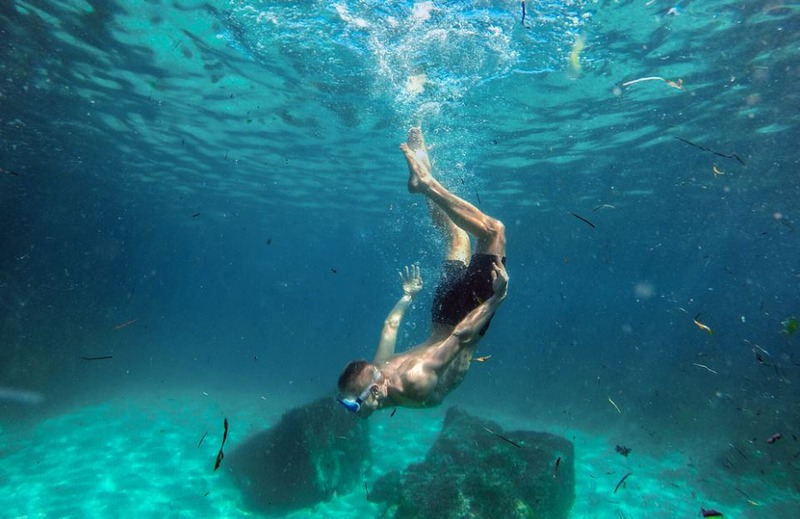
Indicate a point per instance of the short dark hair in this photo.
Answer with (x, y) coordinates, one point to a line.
(351, 372)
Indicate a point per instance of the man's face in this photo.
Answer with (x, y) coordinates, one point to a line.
(364, 397)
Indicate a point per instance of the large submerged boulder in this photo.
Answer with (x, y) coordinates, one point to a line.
(476, 470)
(311, 454)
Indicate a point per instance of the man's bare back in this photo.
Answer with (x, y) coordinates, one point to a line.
(471, 290)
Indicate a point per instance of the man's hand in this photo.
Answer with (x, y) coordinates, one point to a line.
(412, 280)
(412, 283)
(500, 280)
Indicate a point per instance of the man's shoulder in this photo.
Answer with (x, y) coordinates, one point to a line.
(416, 379)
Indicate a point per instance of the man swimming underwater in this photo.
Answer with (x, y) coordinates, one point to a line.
(469, 292)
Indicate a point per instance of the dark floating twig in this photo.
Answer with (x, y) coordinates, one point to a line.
(555, 468)
(478, 196)
(220, 454)
(787, 223)
(709, 150)
(738, 450)
(775, 437)
(100, 357)
(393, 412)
(201, 439)
(584, 220)
(512, 442)
(523, 14)
(621, 481)
(195, 215)
(9, 172)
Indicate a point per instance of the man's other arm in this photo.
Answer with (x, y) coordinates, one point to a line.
(467, 331)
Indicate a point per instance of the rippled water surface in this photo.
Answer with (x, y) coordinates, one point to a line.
(199, 197)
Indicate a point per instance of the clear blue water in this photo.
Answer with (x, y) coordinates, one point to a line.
(211, 193)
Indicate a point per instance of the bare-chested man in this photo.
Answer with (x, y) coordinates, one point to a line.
(470, 291)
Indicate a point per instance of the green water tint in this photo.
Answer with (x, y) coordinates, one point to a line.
(790, 325)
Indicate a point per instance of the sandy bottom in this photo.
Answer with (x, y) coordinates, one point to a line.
(139, 457)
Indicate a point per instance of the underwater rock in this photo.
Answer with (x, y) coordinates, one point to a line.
(313, 452)
(475, 470)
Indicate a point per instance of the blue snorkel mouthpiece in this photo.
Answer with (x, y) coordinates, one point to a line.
(354, 406)
(351, 405)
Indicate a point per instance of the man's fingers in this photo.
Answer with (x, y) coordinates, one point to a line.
(500, 268)
(410, 274)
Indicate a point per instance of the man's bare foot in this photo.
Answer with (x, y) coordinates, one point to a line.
(416, 142)
(419, 166)
(418, 175)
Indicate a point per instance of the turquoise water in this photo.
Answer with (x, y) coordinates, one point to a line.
(211, 194)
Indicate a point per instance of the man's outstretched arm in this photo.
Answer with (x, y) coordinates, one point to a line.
(466, 333)
(412, 283)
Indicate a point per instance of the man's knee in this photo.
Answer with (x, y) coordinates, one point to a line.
(495, 230)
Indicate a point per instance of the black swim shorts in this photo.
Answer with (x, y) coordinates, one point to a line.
(463, 288)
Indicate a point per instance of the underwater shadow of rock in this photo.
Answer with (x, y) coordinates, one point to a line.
(470, 472)
(314, 452)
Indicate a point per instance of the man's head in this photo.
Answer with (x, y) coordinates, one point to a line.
(360, 387)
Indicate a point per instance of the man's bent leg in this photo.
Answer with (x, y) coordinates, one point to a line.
(489, 232)
(458, 246)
